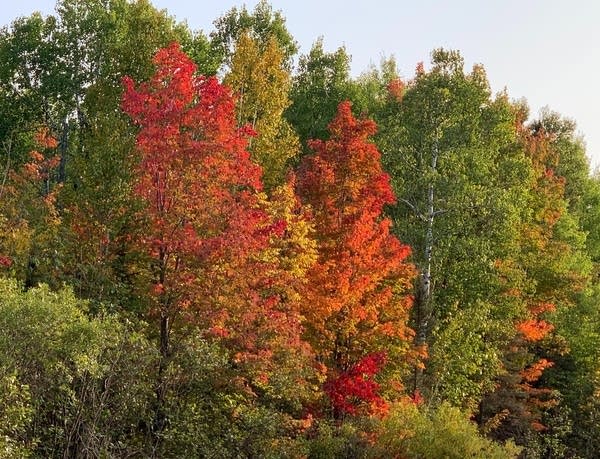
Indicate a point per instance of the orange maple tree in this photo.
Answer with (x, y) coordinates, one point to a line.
(355, 301)
(29, 219)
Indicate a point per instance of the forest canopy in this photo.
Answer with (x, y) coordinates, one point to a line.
(211, 246)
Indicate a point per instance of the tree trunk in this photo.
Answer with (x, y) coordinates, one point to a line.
(423, 298)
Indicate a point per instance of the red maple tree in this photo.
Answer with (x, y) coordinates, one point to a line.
(206, 229)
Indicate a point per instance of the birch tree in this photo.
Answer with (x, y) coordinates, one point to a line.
(449, 147)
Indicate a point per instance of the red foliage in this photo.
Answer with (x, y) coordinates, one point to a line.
(44, 139)
(355, 388)
(420, 69)
(5, 261)
(205, 226)
(417, 398)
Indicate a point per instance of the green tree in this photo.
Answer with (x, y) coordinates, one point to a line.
(450, 150)
(321, 83)
(261, 25)
(549, 268)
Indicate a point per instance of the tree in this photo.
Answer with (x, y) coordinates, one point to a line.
(29, 218)
(450, 151)
(207, 237)
(321, 83)
(64, 72)
(355, 301)
(552, 269)
(261, 25)
(262, 84)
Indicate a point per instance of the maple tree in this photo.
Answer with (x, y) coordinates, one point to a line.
(207, 236)
(355, 299)
(29, 218)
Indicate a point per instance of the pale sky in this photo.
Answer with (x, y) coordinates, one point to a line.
(547, 51)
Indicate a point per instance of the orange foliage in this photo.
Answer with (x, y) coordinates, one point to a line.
(28, 216)
(355, 297)
(534, 330)
(396, 89)
(534, 371)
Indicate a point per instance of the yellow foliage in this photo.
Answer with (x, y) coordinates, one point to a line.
(262, 85)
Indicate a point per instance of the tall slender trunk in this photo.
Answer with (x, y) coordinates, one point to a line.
(63, 151)
(423, 299)
(160, 418)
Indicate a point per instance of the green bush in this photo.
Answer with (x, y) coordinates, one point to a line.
(443, 432)
(71, 385)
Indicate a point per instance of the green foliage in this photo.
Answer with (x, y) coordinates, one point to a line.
(210, 413)
(321, 82)
(435, 432)
(78, 384)
(467, 355)
(577, 374)
(15, 415)
(347, 440)
(460, 180)
(261, 25)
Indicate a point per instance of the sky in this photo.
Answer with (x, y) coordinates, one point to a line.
(547, 51)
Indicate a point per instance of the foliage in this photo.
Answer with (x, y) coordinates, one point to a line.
(15, 416)
(156, 302)
(29, 219)
(262, 84)
(355, 387)
(78, 384)
(262, 25)
(355, 300)
(461, 185)
(321, 83)
(440, 432)
(467, 355)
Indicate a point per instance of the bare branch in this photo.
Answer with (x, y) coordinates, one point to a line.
(413, 208)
